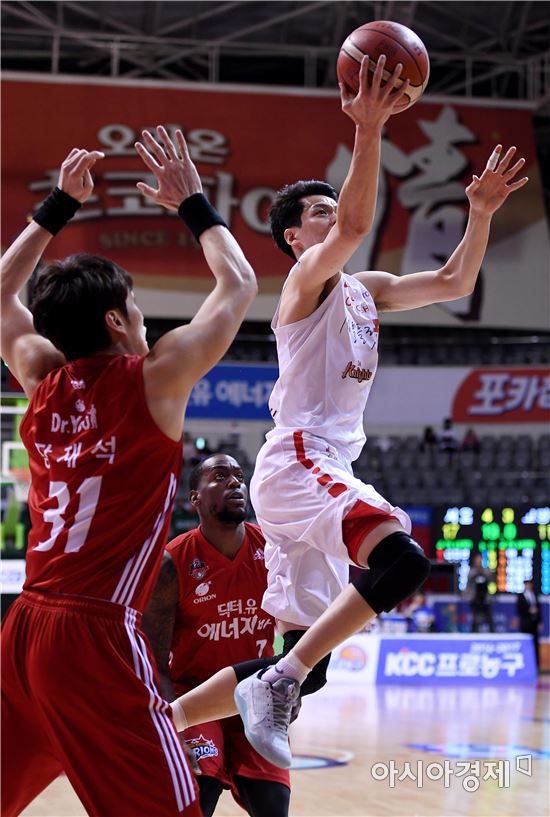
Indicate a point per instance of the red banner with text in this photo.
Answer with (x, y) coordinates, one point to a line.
(247, 143)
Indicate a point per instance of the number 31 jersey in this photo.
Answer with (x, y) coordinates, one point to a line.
(219, 620)
(104, 477)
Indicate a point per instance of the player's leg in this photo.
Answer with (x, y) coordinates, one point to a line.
(210, 791)
(318, 517)
(215, 698)
(395, 573)
(210, 701)
(299, 504)
(314, 680)
(263, 798)
(28, 764)
(258, 786)
(372, 535)
(398, 568)
(111, 729)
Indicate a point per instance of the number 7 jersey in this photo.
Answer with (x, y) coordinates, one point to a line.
(219, 620)
(104, 478)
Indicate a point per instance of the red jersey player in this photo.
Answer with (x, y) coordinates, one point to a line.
(206, 611)
(103, 432)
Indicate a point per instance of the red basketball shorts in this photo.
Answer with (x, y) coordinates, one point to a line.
(223, 752)
(80, 696)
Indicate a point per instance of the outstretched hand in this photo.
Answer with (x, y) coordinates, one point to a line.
(75, 178)
(489, 191)
(373, 104)
(176, 175)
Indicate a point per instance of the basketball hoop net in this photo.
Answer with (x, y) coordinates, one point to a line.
(21, 483)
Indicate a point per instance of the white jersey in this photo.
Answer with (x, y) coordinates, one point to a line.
(327, 364)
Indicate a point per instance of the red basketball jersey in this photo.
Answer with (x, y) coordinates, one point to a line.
(219, 619)
(104, 477)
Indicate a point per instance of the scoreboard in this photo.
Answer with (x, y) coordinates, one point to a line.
(514, 542)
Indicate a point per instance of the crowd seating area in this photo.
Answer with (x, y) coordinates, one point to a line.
(506, 468)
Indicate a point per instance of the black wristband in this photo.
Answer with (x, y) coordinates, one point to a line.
(56, 211)
(199, 215)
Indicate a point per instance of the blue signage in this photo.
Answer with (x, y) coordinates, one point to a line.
(454, 614)
(419, 514)
(233, 392)
(473, 659)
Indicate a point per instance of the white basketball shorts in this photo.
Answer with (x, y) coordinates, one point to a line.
(302, 491)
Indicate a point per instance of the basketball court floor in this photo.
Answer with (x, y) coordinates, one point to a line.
(397, 751)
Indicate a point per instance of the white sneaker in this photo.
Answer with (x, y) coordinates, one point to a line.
(266, 710)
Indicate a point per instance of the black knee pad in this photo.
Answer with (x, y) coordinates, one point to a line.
(317, 678)
(398, 567)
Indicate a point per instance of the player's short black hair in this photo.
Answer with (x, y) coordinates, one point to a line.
(71, 298)
(195, 476)
(286, 210)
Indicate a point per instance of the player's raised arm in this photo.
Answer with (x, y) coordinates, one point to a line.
(458, 276)
(181, 357)
(353, 218)
(29, 355)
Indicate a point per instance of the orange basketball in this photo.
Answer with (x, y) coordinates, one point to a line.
(398, 43)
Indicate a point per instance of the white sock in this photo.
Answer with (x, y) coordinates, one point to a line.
(180, 720)
(287, 667)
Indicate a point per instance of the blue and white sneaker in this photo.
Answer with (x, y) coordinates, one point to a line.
(266, 711)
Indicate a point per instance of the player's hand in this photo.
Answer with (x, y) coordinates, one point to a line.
(373, 105)
(75, 177)
(175, 173)
(488, 192)
(190, 755)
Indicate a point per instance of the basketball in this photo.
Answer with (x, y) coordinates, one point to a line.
(398, 43)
